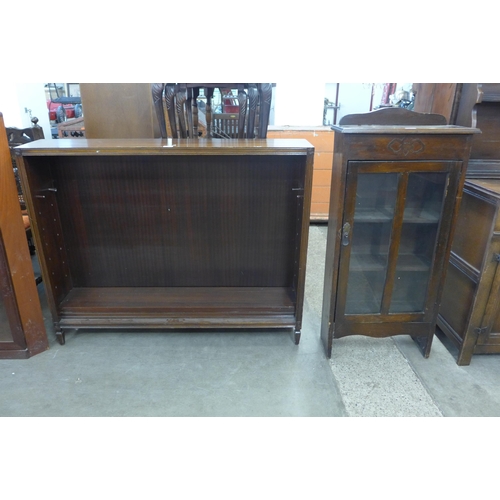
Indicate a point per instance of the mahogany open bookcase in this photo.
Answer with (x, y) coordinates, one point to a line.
(170, 234)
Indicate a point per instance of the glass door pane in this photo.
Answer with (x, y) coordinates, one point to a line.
(393, 240)
(5, 333)
(423, 207)
(7, 302)
(370, 238)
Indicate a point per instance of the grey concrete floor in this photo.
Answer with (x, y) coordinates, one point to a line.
(247, 373)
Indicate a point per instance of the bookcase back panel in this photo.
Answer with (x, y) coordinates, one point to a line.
(179, 221)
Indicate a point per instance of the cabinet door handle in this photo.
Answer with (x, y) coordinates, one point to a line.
(346, 231)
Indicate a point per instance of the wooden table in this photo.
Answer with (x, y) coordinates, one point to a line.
(182, 233)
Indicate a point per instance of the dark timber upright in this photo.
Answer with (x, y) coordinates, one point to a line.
(22, 330)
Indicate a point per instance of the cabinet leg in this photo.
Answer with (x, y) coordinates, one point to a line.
(297, 337)
(464, 357)
(424, 343)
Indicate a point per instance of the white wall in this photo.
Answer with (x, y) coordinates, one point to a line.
(15, 97)
(353, 98)
(299, 106)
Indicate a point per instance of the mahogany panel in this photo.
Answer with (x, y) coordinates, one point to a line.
(185, 222)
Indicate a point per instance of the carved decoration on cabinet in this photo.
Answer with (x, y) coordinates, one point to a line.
(406, 146)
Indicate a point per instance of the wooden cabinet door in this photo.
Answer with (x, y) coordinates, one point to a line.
(488, 333)
(395, 230)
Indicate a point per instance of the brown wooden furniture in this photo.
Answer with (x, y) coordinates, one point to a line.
(479, 106)
(469, 105)
(118, 111)
(438, 98)
(395, 193)
(468, 312)
(171, 234)
(470, 308)
(22, 330)
(322, 140)
(178, 114)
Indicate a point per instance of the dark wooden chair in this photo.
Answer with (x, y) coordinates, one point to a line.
(16, 137)
(178, 113)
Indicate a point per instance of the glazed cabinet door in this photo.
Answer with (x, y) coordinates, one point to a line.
(11, 334)
(395, 229)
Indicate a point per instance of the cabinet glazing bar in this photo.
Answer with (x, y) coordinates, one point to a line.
(397, 225)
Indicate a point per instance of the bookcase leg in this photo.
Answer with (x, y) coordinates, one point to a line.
(60, 334)
(297, 337)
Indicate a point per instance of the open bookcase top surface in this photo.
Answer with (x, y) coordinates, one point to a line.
(165, 146)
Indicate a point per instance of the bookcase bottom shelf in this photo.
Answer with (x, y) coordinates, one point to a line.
(178, 307)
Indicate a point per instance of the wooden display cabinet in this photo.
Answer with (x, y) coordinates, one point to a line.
(395, 194)
(470, 309)
(161, 234)
(22, 329)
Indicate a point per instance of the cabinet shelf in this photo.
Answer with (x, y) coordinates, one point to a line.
(406, 263)
(411, 216)
(179, 306)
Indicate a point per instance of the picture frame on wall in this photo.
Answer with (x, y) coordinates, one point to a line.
(73, 89)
